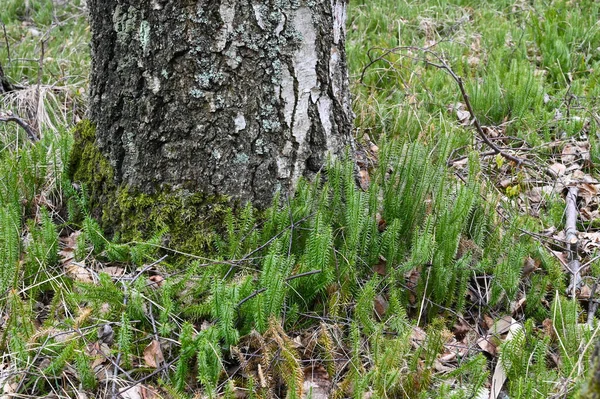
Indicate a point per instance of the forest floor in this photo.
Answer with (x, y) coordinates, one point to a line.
(464, 264)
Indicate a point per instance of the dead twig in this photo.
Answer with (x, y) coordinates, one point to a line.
(443, 65)
(261, 290)
(11, 118)
(478, 128)
(39, 83)
(6, 41)
(572, 241)
(592, 304)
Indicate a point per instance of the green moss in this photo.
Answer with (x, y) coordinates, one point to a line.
(89, 167)
(190, 220)
(591, 389)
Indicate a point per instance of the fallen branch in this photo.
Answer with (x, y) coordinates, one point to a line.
(30, 133)
(497, 150)
(261, 290)
(592, 305)
(442, 64)
(573, 266)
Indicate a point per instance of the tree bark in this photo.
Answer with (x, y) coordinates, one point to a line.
(591, 389)
(232, 97)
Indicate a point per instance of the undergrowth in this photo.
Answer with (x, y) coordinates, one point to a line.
(372, 289)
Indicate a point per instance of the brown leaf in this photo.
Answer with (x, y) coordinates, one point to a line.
(317, 383)
(502, 325)
(137, 391)
(153, 355)
(558, 168)
(562, 257)
(584, 292)
(569, 153)
(516, 306)
(99, 352)
(156, 281)
(530, 266)
(499, 376)
(417, 337)
(77, 272)
(381, 267)
(381, 306)
(364, 179)
(148, 393)
(113, 271)
(133, 392)
(461, 328)
(381, 223)
(488, 321)
(106, 334)
(463, 117)
(487, 344)
(441, 368)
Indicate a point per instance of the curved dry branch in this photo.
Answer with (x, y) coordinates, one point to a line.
(28, 129)
(443, 65)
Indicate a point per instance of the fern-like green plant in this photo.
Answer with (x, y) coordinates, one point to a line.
(187, 351)
(10, 246)
(125, 340)
(209, 361)
(277, 268)
(42, 253)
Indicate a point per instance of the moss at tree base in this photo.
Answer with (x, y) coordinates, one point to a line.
(591, 389)
(189, 220)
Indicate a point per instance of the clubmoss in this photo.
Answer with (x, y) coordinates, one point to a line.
(190, 220)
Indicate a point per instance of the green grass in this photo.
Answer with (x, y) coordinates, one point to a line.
(435, 246)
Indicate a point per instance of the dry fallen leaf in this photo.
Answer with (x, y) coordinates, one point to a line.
(558, 168)
(499, 376)
(417, 337)
(487, 345)
(381, 306)
(106, 334)
(156, 281)
(463, 117)
(153, 356)
(317, 383)
(569, 153)
(99, 352)
(77, 272)
(364, 179)
(502, 325)
(113, 271)
(131, 392)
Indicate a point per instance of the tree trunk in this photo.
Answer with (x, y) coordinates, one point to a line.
(591, 389)
(233, 97)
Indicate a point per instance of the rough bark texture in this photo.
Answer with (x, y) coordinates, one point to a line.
(230, 97)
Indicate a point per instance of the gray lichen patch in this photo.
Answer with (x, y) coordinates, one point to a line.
(240, 122)
(124, 22)
(144, 36)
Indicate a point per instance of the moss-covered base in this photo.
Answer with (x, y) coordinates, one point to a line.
(591, 389)
(190, 220)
